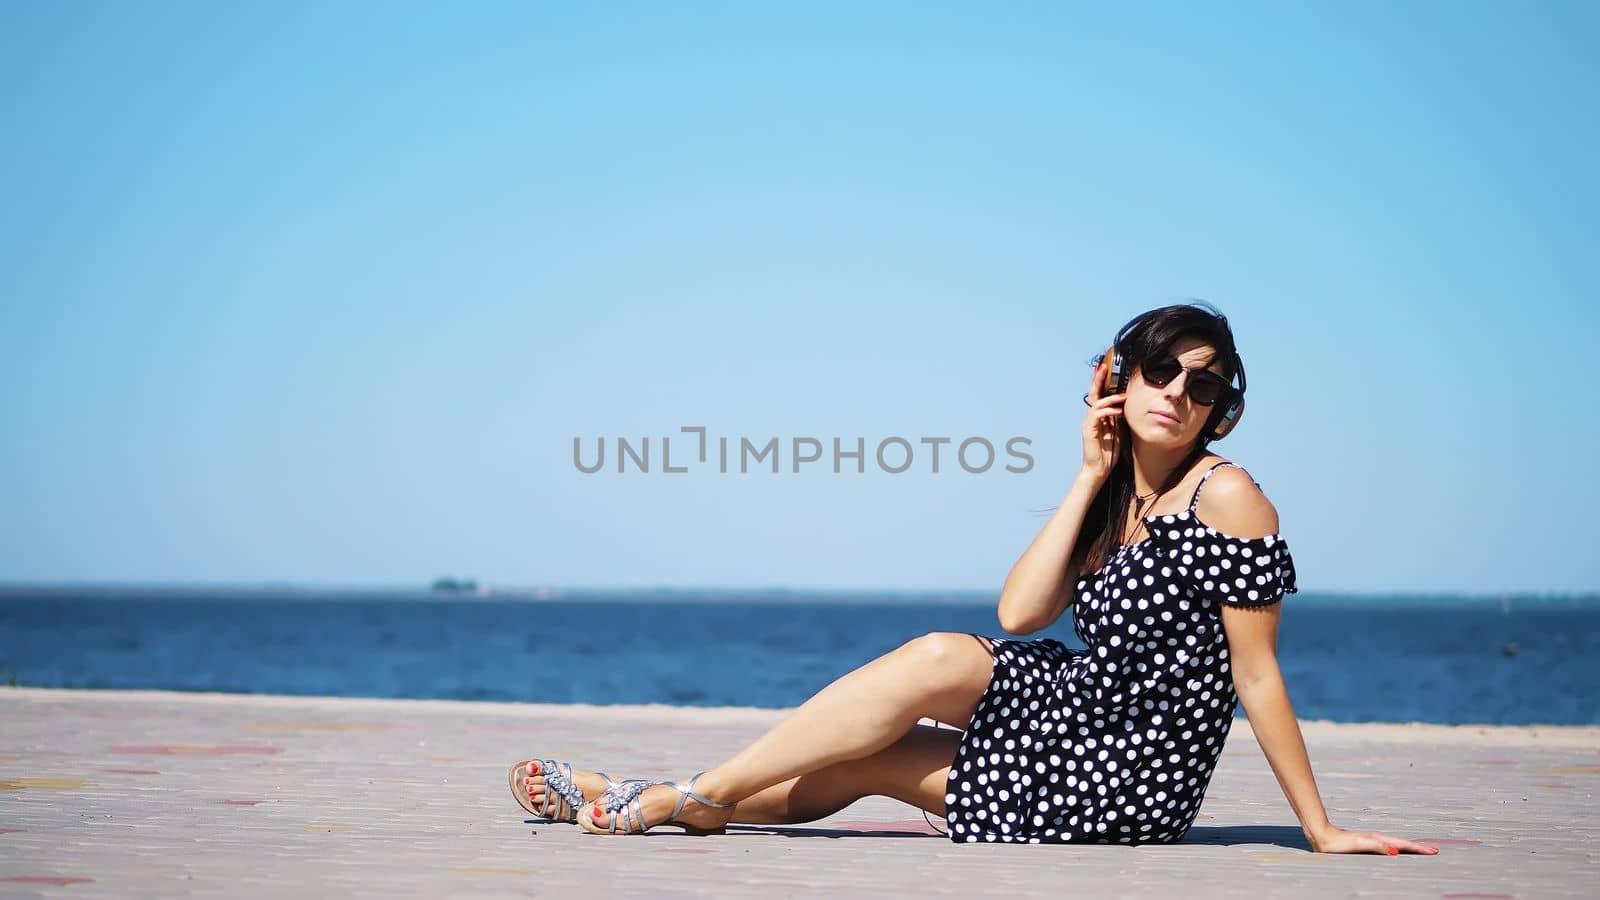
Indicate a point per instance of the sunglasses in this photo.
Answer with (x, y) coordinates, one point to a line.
(1204, 386)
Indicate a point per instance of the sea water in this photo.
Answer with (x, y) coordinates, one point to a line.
(1435, 659)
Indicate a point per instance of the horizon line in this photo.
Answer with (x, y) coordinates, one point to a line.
(547, 591)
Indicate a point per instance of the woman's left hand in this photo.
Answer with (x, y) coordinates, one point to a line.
(1337, 840)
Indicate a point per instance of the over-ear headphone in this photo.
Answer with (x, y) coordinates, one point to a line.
(1224, 416)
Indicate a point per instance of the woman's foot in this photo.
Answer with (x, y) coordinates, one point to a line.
(656, 803)
(592, 784)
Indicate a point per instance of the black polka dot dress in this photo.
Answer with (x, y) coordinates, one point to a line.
(1116, 744)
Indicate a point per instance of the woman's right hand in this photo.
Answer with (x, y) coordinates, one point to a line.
(1102, 428)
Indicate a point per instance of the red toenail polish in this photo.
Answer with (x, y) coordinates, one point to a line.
(533, 768)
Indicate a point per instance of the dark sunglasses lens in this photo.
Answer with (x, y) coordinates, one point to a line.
(1161, 371)
(1205, 391)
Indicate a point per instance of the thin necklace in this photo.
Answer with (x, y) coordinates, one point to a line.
(1139, 501)
(1138, 509)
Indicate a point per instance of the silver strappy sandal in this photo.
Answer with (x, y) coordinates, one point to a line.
(624, 798)
(558, 788)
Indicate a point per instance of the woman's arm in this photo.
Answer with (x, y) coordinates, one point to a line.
(1234, 505)
(1252, 633)
(1256, 679)
(1039, 587)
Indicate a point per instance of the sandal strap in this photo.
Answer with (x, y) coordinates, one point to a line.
(623, 798)
(618, 795)
(689, 792)
(558, 778)
(637, 825)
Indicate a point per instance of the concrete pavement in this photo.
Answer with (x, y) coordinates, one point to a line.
(148, 794)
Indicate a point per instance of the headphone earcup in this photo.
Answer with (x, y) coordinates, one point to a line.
(1119, 374)
(1227, 420)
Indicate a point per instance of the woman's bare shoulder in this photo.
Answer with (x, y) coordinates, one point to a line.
(1232, 503)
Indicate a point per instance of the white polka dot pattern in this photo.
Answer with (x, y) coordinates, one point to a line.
(1116, 743)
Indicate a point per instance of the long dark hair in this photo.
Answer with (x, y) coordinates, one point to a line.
(1141, 339)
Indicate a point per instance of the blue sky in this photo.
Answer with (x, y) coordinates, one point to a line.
(324, 295)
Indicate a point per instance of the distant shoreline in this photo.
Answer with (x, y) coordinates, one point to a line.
(488, 593)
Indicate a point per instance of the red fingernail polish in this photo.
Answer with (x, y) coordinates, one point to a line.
(1392, 851)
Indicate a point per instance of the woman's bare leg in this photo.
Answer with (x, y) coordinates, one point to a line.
(941, 675)
(913, 770)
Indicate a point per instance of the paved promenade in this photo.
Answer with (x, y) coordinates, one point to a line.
(143, 794)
